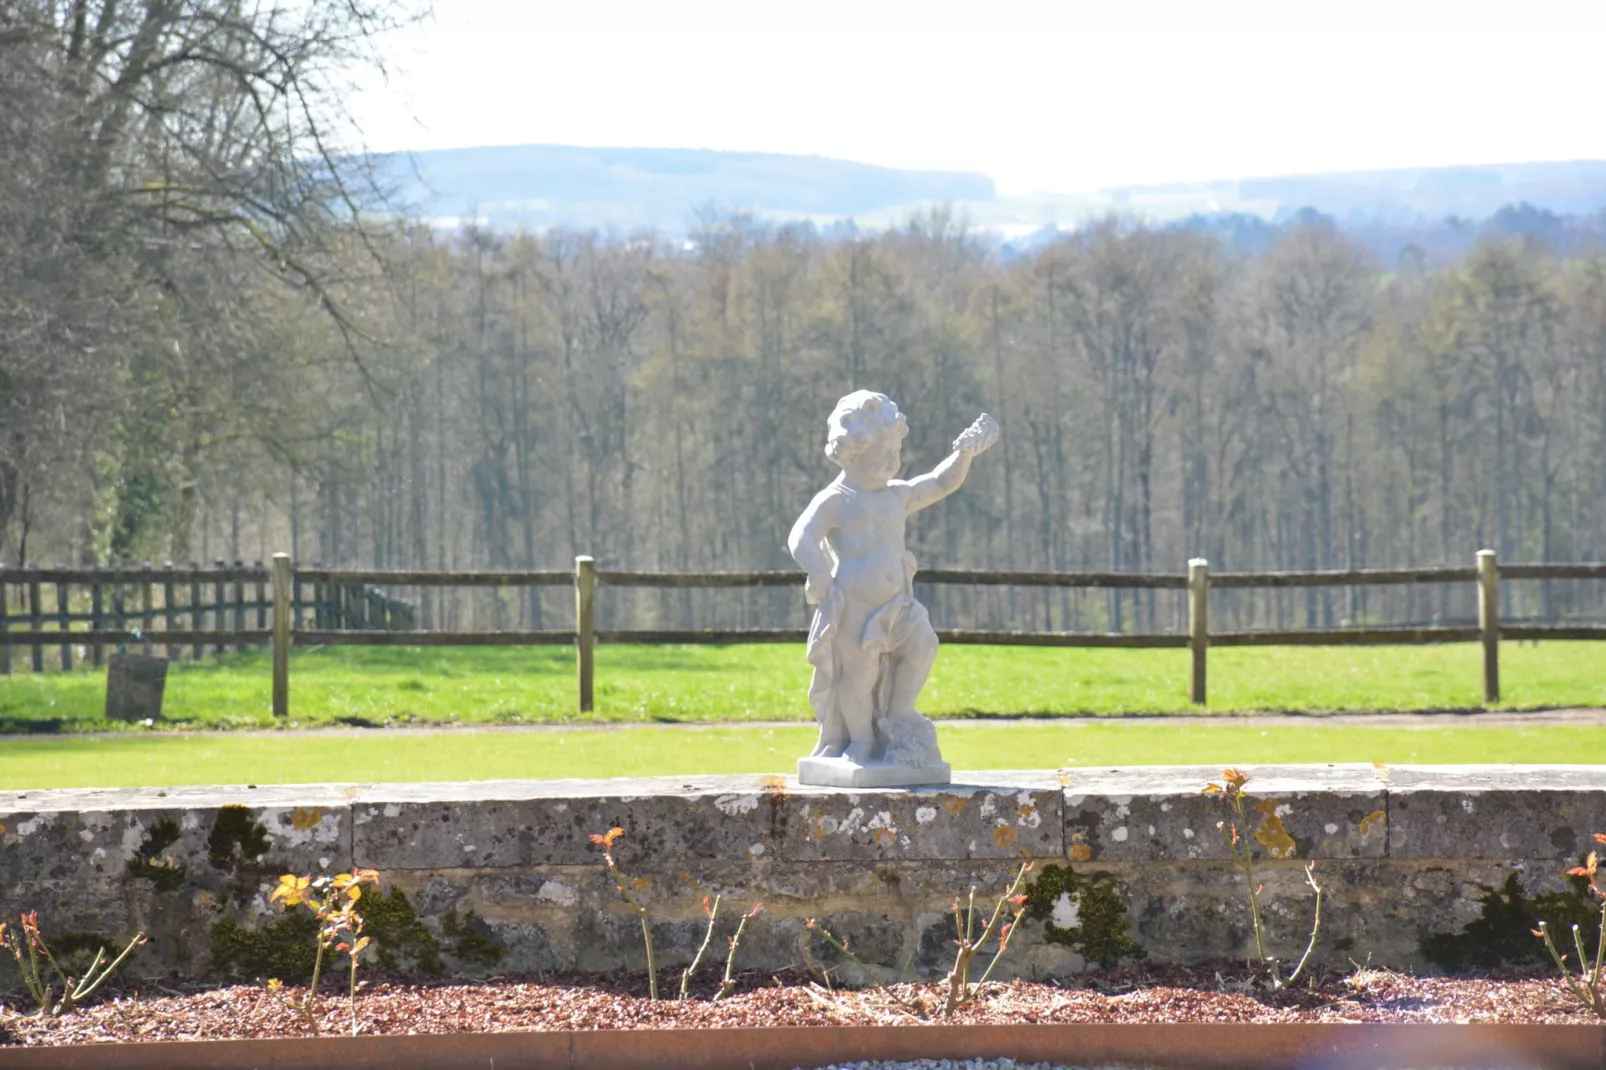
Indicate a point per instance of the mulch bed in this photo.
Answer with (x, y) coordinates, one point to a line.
(142, 1011)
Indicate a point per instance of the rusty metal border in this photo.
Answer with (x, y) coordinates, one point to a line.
(1176, 1046)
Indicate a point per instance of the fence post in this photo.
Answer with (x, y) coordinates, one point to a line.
(320, 595)
(1198, 627)
(282, 597)
(35, 618)
(262, 597)
(119, 618)
(585, 625)
(147, 610)
(239, 601)
(97, 620)
(168, 601)
(63, 618)
(5, 648)
(197, 611)
(1489, 622)
(220, 601)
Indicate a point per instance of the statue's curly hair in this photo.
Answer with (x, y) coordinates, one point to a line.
(861, 421)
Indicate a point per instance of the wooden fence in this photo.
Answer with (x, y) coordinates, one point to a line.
(342, 609)
(115, 603)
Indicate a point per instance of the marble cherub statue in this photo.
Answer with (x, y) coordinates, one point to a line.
(871, 644)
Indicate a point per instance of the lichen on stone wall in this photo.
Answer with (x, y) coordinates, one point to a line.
(1502, 933)
(1084, 914)
(152, 864)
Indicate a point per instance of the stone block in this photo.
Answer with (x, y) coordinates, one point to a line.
(1160, 813)
(1496, 812)
(174, 836)
(979, 815)
(508, 824)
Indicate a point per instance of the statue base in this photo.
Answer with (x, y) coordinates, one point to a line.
(843, 773)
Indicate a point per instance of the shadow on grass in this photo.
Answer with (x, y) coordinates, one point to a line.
(22, 726)
(69, 744)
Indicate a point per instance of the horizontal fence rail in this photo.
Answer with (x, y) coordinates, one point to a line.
(230, 606)
(1349, 637)
(425, 578)
(1349, 577)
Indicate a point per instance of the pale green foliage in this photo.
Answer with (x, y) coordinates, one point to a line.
(41, 972)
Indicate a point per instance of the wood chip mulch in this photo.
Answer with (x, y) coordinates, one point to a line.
(140, 1011)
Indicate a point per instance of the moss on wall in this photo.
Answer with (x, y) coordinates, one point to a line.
(236, 839)
(468, 940)
(285, 949)
(1101, 932)
(149, 862)
(401, 941)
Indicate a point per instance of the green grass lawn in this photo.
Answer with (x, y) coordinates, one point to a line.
(505, 685)
(161, 759)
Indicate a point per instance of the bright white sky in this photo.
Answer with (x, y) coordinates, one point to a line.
(1044, 97)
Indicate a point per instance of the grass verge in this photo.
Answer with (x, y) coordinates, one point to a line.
(166, 759)
(371, 687)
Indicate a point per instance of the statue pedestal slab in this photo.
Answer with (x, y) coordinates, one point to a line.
(842, 773)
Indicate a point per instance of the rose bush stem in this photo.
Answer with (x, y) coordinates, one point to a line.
(729, 980)
(685, 976)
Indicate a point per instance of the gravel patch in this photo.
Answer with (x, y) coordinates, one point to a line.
(135, 1011)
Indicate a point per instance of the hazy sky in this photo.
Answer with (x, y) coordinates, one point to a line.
(1060, 97)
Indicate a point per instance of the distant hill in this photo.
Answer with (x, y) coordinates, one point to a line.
(545, 185)
(622, 189)
(1406, 195)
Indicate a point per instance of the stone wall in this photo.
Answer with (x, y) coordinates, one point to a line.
(501, 876)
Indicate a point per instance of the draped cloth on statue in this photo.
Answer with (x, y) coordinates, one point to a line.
(886, 631)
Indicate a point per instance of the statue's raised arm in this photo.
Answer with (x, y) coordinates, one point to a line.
(946, 478)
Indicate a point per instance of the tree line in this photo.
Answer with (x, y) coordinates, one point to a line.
(216, 342)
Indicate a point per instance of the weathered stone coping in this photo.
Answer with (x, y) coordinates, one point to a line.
(1139, 814)
(502, 875)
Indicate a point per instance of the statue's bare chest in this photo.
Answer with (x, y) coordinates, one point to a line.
(876, 513)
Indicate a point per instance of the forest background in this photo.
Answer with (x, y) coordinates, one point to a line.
(219, 340)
